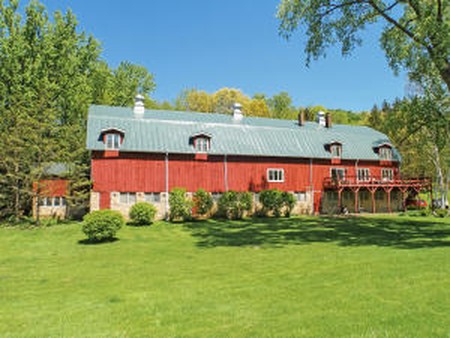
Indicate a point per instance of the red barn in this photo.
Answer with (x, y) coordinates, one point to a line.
(140, 155)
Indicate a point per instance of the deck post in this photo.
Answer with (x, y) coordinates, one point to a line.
(340, 199)
(356, 191)
(372, 192)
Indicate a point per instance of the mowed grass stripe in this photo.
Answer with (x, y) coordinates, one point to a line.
(378, 277)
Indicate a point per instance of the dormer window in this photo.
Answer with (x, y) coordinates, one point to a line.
(385, 153)
(201, 144)
(112, 138)
(112, 141)
(336, 150)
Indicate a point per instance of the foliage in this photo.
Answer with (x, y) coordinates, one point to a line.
(180, 205)
(416, 35)
(275, 202)
(102, 225)
(50, 73)
(288, 201)
(441, 213)
(142, 213)
(203, 202)
(234, 205)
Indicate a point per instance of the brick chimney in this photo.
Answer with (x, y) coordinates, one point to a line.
(328, 122)
(301, 118)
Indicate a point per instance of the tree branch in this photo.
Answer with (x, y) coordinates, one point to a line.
(398, 25)
(439, 10)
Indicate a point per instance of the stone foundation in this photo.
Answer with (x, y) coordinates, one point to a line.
(301, 207)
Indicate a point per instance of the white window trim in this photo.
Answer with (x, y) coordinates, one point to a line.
(279, 170)
(113, 141)
(127, 194)
(343, 169)
(365, 177)
(303, 198)
(388, 177)
(385, 153)
(204, 140)
(338, 147)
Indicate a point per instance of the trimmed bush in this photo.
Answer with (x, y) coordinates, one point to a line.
(180, 205)
(234, 205)
(275, 202)
(203, 202)
(142, 213)
(288, 200)
(102, 225)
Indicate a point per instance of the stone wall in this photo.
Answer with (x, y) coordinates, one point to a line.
(301, 207)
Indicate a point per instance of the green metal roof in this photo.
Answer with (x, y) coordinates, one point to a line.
(161, 131)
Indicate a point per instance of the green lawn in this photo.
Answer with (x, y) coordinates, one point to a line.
(312, 277)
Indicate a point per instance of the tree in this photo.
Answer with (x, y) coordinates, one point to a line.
(50, 73)
(416, 35)
(281, 106)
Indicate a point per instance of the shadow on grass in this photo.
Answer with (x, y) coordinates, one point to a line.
(349, 231)
(88, 241)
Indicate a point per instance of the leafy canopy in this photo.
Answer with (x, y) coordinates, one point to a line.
(416, 35)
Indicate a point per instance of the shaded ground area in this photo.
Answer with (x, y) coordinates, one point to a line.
(399, 232)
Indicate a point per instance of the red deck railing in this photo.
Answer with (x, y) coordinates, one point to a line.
(420, 183)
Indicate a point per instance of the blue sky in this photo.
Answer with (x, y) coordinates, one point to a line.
(208, 45)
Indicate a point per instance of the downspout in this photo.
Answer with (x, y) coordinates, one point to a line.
(225, 172)
(166, 161)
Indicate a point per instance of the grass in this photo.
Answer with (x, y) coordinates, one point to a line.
(312, 277)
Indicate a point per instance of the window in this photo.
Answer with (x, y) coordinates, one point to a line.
(275, 175)
(387, 174)
(338, 174)
(385, 153)
(56, 201)
(112, 141)
(201, 144)
(52, 201)
(301, 196)
(152, 197)
(336, 150)
(127, 197)
(45, 201)
(363, 174)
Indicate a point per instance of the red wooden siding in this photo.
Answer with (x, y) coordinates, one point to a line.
(51, 188)
(139, 172)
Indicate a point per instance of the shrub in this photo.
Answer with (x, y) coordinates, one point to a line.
(180, 205)
(233, 205)
(203, 202)
(142, 213)
(275, 202)
(271, 201)
(102, 225)
(288, 200)
(441, 213)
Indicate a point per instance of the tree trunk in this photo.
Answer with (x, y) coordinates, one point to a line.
(439, 176)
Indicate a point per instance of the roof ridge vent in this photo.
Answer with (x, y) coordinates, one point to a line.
(139, 107)
(237, 112)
